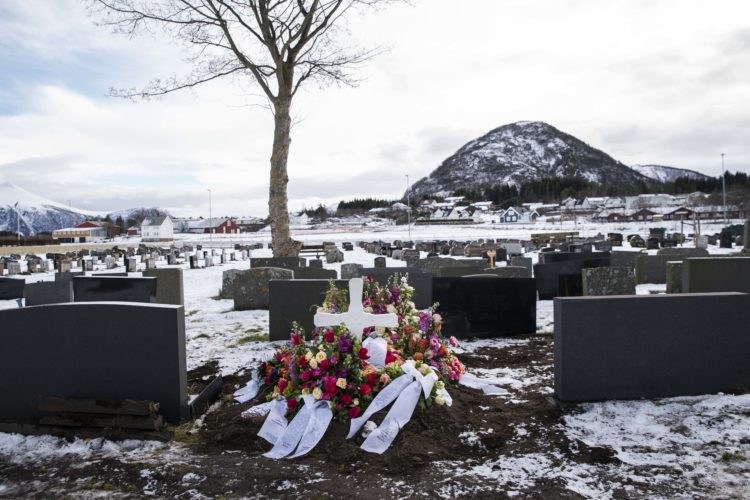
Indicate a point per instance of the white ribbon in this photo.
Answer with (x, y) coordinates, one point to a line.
(303, 432)
(383, 399)
(471, 380)
(276, 423)
(249, 391)
(293, 432)
(316, 428)
(377, 348)
(398, 416)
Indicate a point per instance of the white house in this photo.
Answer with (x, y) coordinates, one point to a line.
(157, 228)
(300, 219)
(517, 214)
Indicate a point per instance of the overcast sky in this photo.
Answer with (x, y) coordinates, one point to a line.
(647, 81)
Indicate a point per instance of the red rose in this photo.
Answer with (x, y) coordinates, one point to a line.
(267, 380)
(345, 399)
(408, 330)
(302, 361)
(295, 339)
(362, 354)
(291, 403)
(281, 385)
(329, 336)
(354, 412)
(389, 357)
(263, 366)
(305, 376)
(330, 388)
(365, 389)
(325, 365)
(279, 357)
(372, 378)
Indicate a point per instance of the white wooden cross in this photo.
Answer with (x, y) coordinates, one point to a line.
(356, 319)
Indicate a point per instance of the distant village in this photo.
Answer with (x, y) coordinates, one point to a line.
(451, 210)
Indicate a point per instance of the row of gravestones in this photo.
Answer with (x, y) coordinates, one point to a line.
(161, 286)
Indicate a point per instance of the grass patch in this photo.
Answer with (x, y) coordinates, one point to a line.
(182, 433)
(231, 309)
(190, 313)
(733, 457)
(216, 297)
(201, 336)
(258, 337)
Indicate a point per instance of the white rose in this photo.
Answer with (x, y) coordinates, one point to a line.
(439, 400)
(368, 310)
(391, 309)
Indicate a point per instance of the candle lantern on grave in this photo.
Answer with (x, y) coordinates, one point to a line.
(491, 254)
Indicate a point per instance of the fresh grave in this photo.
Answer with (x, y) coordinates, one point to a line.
(337, 374)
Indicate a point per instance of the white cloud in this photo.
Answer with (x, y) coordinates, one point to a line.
(648, 82)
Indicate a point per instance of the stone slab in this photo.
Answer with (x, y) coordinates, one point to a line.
(250, 289)
(278, 262)
(48, 292)
(563, 278)
(486, 306)
(624, 258)
(608, 281)
(169, 285)
(11, 288)
(114, 289)
(651, 346)
(653, 268)
(312, 273)
(716, 274)
(110, 351)
(293, 300)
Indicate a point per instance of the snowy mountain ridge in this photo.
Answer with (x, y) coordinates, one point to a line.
(526, 151)
(663, 173)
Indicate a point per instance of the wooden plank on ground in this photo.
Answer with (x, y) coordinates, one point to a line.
(81, 405)
(30, 428)
(146, 422)
(207, 396)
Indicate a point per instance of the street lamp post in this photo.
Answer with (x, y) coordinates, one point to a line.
(408, 205)
(210, 222)
(724, 190)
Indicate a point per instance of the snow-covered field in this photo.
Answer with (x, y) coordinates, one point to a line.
(700, 443)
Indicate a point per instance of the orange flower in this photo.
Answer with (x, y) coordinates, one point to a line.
(417, 356)
(442, 351)
(423, 344)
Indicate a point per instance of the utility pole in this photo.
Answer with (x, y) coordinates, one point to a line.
(724, 190)
(408, 205)
(18, 224)
(210, 222)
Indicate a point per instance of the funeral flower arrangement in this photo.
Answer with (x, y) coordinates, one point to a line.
(336, 367)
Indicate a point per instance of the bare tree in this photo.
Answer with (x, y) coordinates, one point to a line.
(279, 44)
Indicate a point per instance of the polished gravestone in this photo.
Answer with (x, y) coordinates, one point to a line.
(106, 351)
(313, 273)
(653, 268)
(651, 346)
(716, 274)
(279, 262)
(11, 288)
(486, 306)
(293, 301)
(114, 289)
(560, 275)
(48, 292)
(421, 282)
(169, 285)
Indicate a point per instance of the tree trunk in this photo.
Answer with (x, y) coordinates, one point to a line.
(283, 245)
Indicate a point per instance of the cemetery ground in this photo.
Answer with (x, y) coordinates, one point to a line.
(503, 436)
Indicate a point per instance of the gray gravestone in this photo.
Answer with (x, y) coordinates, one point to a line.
(674, 276)
(701, 241)
(227, 282)
(279, 262)
(131, 264)
(110, 262)
(380, 262)
(114, 289)
(88, 265)
(48, 292)
(608, 281)
(716, 274)
(349, 271)
(315, 264)
(169, 287)
(651, 346)
(518, 261)
(653, 268)
(624, 258)
(294, 300)
(11, 288)
(14, 268)
(95, 351)
(251, 288)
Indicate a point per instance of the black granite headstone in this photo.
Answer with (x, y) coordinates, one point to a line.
(11, 288)
(422, 282)
(292, 301)
(652, 346)
(96, 351)
(548, 282)
(114, 289)
(314, 273)
(486, 307)
(48, 292)
(282, 262)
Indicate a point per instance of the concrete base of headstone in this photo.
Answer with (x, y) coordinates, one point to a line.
(48, 292)
(251, 288)
(96, 351)
(608, 281)
(716, 274)
(651, 346)
(169, 288)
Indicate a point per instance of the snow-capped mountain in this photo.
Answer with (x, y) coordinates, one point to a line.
(526, 151)
(137, 214)
(35, 214)
(662, 173)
